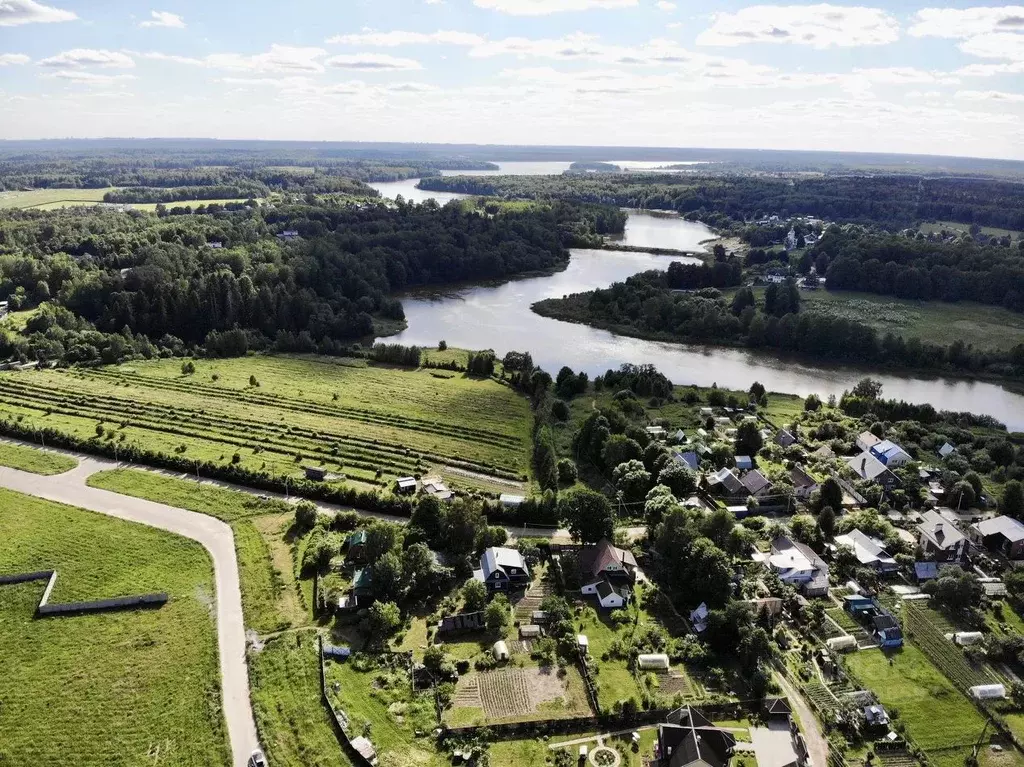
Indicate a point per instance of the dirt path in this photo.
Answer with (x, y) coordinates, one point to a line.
(817, 746)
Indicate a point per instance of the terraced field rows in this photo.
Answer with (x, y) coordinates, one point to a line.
(334, 426)
(927, 634)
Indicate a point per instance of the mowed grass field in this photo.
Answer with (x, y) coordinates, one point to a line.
(365, 423)
(940, 719)
(938, 322)
(270, 594)
(126, 688)
(35, 461)
(46, 199)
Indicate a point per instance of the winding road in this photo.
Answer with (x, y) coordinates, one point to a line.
(215, 536)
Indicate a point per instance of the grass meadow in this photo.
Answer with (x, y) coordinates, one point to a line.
(125, 688)
(36, 461)
(47, 199)
(367, 424)
(915, 688)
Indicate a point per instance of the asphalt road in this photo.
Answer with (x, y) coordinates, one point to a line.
(215, 536)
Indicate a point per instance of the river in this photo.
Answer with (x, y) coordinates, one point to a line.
(499, 317)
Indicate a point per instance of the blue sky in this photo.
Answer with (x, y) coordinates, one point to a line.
(893, 76)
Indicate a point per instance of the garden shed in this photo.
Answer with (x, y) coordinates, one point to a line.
(529, 631)
(968, 637)
(653, 662)
(500, 650)
(583, 643)
(844, 643)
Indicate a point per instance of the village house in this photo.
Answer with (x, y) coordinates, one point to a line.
(940, 537)
(608, 573)
(891, 454)
(436, 487)
(687, 738)
(798, 565)
(406, 485)
(946, 450)
(867, 466)
(744, 462)
(288, 235)
(510, 501)
(689, 459)
(866, 440)
(502, 569)
(1002, 534)
(869, 551)
(756, 484)
(725, 482)
(785, 439)
(803, 483)
(355, 547)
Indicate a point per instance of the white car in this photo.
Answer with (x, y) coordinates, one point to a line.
(257, 759)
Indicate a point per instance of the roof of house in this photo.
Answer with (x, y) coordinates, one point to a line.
(824, 452)
(801, 478)
(406, 481)
(1008, 527)
(689, 459)
(362, 579)
(357, 538)
(727, 479)
(889, 450)
(866, 465)
(596, 558)
(941, 530)
(869, 551)
(946, 449)
(785, 438)
(788, 554)
(689, 738)
(605, 589)
(511, 500)
(777, 706)
(500, 558)
(744, 462)
(868, 439)
(754, 481)
(926, 570)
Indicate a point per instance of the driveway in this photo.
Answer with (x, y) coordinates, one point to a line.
(817, 745)
(215, 536)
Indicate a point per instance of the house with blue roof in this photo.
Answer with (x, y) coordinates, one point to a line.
(890, 454)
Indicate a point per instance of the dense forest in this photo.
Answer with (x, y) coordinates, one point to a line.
(645, 305)
(113, 285)
(887, 200)
(913, 267)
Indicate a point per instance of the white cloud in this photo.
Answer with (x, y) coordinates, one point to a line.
(967, 22)
(163, 19)
(906, 76)
(819, 26)
(89, 78)
(995, 45)
(396, 38)
(7, 59)
(995, 96)
(665, 5)
(279, 59)
(544, 7)
(991, 70)
(372, 62)
(15, 12)
(89, 57)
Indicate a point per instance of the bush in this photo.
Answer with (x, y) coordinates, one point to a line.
(188, 368)
(305, 515)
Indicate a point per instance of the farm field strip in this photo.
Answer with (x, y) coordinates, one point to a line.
(302, 406)
(358, 452)
(950, 659)
(505, 693)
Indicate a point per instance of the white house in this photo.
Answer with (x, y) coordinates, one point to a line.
(799, 566)
(866, 440)
(609, 595)
(891, 454)
(803, 483)
(869, 551)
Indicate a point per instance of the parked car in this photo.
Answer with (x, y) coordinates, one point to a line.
(257, 759)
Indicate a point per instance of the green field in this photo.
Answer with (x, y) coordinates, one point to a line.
(989, 327)
(992, 231)
(47, 199)
(134, 687)
(285, 688)
(35, 461)
(270, 594)
(351, 418)
(923, 697)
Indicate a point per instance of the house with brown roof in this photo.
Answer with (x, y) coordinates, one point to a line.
(803, 483)
(607, 572)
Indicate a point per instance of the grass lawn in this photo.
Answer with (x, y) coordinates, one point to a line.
(352, 418)
(990, 327)
(270, 598)
(380, 704)
(133, 687)
(293, 723)
(52, 198)
(35, 461)
(915, 688)
(992, 231)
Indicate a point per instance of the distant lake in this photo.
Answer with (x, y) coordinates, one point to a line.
(658, 229)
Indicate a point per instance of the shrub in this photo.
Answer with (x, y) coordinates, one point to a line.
(188, 367)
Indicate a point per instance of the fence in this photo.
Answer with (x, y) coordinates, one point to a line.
(44, 609)
(339, 729)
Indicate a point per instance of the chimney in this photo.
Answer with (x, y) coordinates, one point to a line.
(863, 466)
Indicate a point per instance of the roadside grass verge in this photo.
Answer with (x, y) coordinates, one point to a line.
(133, 687)
(35, 461)
(923, 697)
(285, 689)
(269, 597)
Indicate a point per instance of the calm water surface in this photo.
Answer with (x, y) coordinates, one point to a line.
(499, 317)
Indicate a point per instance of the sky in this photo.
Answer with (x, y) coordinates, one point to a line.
(896, 76)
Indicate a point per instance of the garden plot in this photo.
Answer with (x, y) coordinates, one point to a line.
(518, 693)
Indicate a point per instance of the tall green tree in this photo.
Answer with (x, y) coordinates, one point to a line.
(587, 515)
